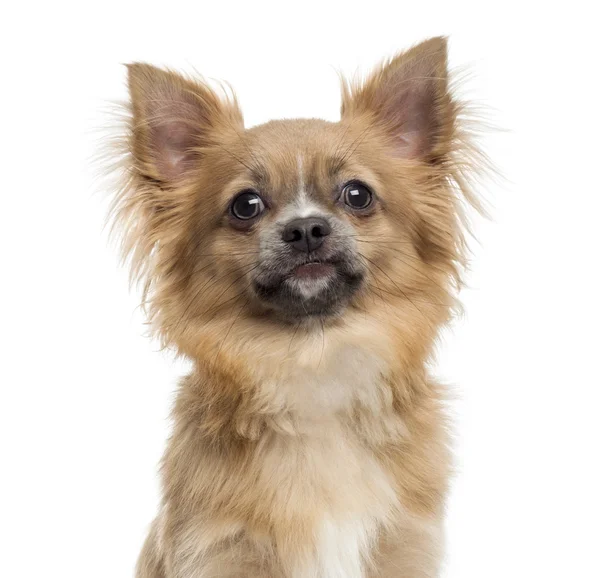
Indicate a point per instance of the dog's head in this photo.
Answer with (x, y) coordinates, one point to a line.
(295, 220)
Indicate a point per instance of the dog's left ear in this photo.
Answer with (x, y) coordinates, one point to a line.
(408, 99)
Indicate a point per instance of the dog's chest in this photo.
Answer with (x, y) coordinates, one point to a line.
(324, 474)
(330, 485)
(343, 549)
(342, 497)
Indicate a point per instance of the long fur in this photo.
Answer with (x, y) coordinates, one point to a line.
(315, 449)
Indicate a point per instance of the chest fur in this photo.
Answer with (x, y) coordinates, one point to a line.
(318, 474)
(329, 495)
(310, 494)
(341, 550)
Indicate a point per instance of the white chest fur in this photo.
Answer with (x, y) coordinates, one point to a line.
(344, 548)
(349, 495)
(327, 467)
(315, 462)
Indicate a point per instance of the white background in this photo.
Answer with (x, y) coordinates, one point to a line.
(85, 397)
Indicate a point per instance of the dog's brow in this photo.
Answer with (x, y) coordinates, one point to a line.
(260, 176)
(334, 164)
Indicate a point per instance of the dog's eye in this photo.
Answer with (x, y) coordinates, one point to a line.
(357, 196)
(247, 205)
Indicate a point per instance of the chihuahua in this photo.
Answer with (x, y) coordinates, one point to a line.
(305, 269)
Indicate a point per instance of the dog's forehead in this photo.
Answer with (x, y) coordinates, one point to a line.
(295, 157)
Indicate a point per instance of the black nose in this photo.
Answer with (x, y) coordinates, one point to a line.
(306, 234)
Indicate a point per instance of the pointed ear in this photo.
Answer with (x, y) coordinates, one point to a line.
(173, 118)
(408, 98)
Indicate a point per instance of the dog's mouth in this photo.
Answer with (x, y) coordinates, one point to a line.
(308, 289)
(313, 271)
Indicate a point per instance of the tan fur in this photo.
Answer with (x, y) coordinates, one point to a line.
(297, 448)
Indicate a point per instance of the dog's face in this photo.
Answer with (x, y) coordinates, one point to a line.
(295, 220)
(300, 212)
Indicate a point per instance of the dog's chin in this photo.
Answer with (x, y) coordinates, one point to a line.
(312, 290)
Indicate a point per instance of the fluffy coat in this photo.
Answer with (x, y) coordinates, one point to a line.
(316, 449)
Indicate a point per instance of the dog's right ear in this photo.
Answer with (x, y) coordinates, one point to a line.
(173, 119)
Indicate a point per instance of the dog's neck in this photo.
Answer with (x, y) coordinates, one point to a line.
(291, 381)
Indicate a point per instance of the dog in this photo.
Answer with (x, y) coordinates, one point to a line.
(305, 269)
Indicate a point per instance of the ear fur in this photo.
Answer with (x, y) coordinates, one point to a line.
(408, 98)
(172, 119)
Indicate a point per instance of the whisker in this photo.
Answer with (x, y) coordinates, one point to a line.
(400, 255)
(198, 291)
(236, 158)
(341, 159)
(399, 289)
(338, 147)
(352, 147)
(256, 167)
(407, 255)
(245, 272)
(322, 343)
(294, 335)
(229, 254)
(414, 298)
(232, 324)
